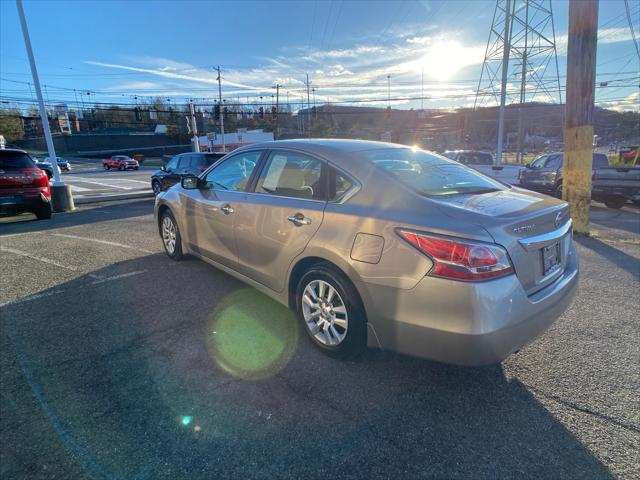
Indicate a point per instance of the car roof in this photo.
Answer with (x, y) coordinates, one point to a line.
(13, 150)
(325, 145)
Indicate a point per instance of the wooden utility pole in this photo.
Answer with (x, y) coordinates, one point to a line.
(578, 120)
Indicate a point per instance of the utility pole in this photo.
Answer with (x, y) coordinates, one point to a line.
(422, 91)
(61, 197)
(505, 72)
(195, 143)
(277, 110)
(523, 82)
(224, 146)
(308, 107)
(578, 122)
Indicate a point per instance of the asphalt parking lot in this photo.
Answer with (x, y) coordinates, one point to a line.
(118, 363)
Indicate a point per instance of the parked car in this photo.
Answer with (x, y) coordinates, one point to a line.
(23, 186)
(64, 165)
(430, 259)
(46, 167)
(611, 185)
(120, 162)
(483, 162)
(192, 163)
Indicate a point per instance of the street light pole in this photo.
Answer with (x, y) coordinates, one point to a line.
(505, 72)
(61, 197)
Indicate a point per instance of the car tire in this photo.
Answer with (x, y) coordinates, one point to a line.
(615, 202)
(107, 167)
(168, 224)
(136, 168)
(155, 186)
(558, 191)
(121, 168)
(338, 334)
(44, 212)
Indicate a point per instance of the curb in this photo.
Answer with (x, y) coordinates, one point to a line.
(80, 200)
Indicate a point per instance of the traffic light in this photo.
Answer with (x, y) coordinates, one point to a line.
(261, 112)
(274, 112)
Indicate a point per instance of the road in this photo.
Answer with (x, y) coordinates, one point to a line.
(88, 178)
(119, 363)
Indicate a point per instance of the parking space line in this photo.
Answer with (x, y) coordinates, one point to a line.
(104, 242)
(118, 277)
(28, 298)
(83, 180)
(36, 257)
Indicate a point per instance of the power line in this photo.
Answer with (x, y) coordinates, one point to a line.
(633, 34)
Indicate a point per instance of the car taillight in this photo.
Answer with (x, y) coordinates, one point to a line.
(39, 179)
(460, 259)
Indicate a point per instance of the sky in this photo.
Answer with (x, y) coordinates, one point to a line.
(407, 54)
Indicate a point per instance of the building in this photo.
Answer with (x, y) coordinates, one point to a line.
(212, 142)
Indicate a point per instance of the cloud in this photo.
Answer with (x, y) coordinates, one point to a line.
(629, 103)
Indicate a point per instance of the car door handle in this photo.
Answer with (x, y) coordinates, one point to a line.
(227, 209)
(299, 219)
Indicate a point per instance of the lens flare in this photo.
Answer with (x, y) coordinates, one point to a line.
(251, 336)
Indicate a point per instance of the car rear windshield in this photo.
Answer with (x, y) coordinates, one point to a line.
(430, 174)
(15, 160)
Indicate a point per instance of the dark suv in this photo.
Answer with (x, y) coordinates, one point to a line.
(23, 186)
(192, 163)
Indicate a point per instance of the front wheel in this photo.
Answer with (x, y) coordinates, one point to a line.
(107, 167)
(155, 186)
(136, 168)
(558, 191)
(171, 239)
(332, 311)
(615, 202)
(121, 168)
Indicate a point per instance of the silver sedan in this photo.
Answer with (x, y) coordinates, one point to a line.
(382, 245)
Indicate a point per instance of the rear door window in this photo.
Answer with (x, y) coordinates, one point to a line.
(339, 184)
(291, 174)
(15, 160)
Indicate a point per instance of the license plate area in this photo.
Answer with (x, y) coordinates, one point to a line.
(551, 258)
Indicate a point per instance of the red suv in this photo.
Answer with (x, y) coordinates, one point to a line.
(23, 186)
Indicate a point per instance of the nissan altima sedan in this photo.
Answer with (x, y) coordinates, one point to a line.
(382, 245)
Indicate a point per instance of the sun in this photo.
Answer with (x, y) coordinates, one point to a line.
(444, 58)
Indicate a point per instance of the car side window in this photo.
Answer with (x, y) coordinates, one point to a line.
(339, 184)
(539, 162)
(173, 163)
(290, 174)
(234, 173)
(184, 162)
(553, 162)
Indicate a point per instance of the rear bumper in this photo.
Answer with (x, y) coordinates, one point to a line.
(467, 323)
(14, 204)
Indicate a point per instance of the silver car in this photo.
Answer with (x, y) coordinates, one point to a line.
(382, 245)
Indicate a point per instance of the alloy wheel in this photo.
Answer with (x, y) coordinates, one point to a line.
(169, 235)
(325, 313)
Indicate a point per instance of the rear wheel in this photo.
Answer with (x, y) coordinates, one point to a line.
(558, 191)
(615, 202)
(170, 236)
(332, 311)
(44, 212)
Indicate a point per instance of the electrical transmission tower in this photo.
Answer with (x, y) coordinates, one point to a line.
(520, 60)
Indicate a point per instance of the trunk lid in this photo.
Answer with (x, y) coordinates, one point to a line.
(533, 228)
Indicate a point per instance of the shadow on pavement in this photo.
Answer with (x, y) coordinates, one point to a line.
(143, 378)
(616, 256)
(627, 219)
(85, 215)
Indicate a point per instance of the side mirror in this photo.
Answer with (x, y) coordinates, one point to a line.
(190, 182)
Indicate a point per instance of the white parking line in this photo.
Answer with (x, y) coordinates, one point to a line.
(36, 257)
(104, 242)
(77, 189)
(118, 277)
(110, 185)
(46, 260)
